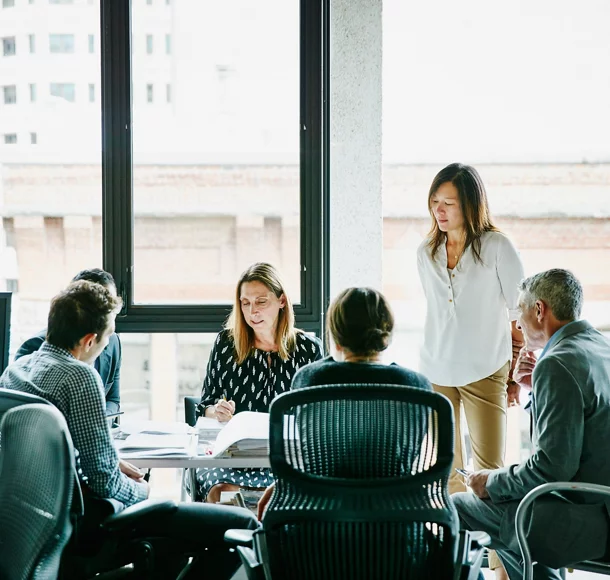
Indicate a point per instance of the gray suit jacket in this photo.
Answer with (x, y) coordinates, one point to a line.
(571, 431)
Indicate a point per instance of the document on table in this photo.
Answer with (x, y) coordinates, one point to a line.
(208, 429)
(154, 427)
(245, 435)
(155, 445)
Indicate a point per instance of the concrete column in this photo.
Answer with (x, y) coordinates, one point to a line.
(164, 390)
(356, 242)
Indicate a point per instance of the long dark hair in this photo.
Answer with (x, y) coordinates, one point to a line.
(473, 201)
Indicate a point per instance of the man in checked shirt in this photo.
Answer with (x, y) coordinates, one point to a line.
(81, 320)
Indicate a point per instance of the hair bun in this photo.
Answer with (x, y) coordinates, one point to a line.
(376, 340)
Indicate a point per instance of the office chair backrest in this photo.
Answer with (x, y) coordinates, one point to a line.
(36, 484)
(10, 399)
(361, 484)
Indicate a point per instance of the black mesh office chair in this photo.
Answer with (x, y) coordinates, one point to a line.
(104, 537)
(361, 488)
(36, 484)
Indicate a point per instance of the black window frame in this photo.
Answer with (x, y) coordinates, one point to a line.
(117, 177)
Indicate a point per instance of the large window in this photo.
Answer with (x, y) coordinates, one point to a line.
(531, 114)
(190, 193)
(50, 176)
(230, 174)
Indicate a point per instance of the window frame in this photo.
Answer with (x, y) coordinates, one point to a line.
(117, 177)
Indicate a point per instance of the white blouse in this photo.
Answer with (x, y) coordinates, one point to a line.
(467, 333)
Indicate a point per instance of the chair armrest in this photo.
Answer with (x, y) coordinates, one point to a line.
(528, 500)
(253, 568)
(470, 554)
(240, 537)
(138, 514)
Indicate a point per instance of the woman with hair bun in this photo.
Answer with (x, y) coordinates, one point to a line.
(359, 326)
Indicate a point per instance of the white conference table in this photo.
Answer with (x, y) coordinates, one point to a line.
(188, 463)
(197, 461)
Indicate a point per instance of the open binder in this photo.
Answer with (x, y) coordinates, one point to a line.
(245, 435)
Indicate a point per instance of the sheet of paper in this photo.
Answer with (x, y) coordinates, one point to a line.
(153, 427)
(178, 452)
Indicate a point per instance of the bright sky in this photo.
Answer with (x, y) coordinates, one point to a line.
(496, 81)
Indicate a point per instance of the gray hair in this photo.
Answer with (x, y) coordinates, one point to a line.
(559, 289)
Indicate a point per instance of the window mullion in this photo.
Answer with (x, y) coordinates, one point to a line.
(117, 181)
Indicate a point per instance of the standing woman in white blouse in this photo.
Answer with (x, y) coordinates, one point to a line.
(470, 271)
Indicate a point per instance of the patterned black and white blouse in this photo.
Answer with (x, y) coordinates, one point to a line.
(252, 385)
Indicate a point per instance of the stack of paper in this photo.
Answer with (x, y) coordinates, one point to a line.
(245, 435)
(155, 445)
(208, 429)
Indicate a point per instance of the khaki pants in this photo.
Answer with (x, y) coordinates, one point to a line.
(484, 405)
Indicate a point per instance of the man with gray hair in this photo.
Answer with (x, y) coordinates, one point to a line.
(571, 426)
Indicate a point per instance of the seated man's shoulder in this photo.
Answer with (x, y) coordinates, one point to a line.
(78, 371)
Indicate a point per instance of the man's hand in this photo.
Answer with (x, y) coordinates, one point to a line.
(224, 410)
(131, 471)
(524, 368)
(477, 481)
(263, 501)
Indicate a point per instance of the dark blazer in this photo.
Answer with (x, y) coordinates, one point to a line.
(108, 365)
(571, 431)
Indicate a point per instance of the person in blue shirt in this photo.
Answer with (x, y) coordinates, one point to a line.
(108, 363)
(80, 324)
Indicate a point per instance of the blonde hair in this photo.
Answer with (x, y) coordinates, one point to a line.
(242, 333)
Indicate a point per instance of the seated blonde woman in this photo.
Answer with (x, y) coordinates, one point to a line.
(253, 360)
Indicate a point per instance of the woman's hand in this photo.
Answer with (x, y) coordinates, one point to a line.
(224, 410)
(263, 501)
